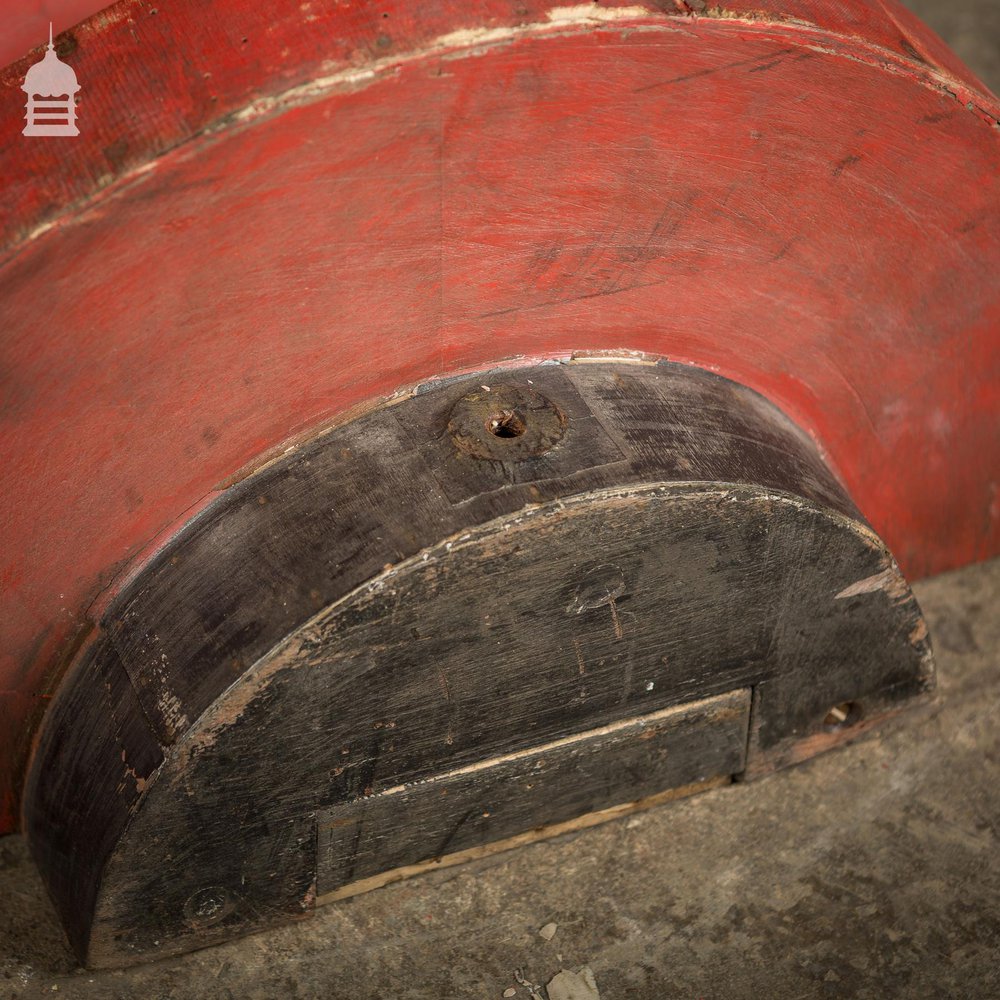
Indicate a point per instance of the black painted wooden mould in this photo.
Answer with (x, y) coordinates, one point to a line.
(500, 603)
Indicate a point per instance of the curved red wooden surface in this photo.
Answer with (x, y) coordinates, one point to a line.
(806, 201)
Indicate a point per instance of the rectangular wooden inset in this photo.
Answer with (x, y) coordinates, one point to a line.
(498, 798)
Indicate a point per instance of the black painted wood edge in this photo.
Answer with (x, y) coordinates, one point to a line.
(635, 427)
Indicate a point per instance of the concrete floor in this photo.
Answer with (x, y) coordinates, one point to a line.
(971, 28)
(873, 872)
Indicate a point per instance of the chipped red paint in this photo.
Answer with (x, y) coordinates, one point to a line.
(806, 201)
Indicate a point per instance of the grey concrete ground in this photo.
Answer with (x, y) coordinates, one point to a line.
(873, 872)
(971, 28)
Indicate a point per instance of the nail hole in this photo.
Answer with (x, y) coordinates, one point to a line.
(847, 713)
(507, 424)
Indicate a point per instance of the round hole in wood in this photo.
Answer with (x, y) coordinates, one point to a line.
(842, 715)
(507, 424)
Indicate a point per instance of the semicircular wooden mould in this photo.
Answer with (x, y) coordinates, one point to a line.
(499, 603)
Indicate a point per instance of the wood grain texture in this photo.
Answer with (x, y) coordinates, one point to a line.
(384, 605)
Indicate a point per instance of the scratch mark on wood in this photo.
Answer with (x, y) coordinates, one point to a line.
(616, 618)
(445, 687)
(446, 690)
(712, 70)
(765, 67)
(443, 848)
(842, 165)
(573, 298)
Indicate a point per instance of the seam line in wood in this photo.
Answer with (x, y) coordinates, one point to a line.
(537, 835)
(635, 722)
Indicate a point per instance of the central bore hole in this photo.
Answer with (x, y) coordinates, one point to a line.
(507, 424)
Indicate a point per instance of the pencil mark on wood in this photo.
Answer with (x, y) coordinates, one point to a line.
(712, 70)
(841, 165)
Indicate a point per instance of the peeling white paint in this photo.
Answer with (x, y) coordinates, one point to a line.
(588, 13)
(464, 42)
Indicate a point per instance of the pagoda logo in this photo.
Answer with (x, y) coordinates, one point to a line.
(51, 87)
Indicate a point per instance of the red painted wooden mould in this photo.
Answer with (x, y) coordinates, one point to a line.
(277, 214)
